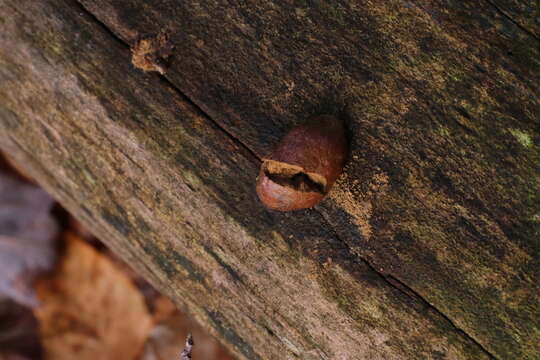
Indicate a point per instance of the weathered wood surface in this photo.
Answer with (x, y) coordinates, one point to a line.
(444, 108)
(525, 14)
(427, 248)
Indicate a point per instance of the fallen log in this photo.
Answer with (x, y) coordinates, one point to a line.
(428, 245)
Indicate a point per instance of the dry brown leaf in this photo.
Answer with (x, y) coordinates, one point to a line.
(168, 337)
(27, 234)
(90, 309)
(8, 355)
(18, 332)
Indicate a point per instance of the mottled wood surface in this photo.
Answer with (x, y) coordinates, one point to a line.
(428, 247)
(523, 13)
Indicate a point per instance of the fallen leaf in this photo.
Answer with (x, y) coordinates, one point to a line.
(168, 337)
(90, 309)
(27, 238)
(13, 356)
(18, 332)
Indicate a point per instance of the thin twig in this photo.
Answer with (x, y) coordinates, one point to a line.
(186, 354)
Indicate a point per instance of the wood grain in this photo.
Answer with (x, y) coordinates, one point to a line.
(427, 248)
(441, 192)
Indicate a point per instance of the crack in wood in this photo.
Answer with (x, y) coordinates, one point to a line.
(169, 84)
(409, 292)
(515, 22)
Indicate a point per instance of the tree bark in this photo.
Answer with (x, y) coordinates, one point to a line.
(428, 245)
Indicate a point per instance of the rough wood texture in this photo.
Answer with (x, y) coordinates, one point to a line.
(428, 246)
(525, 14)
